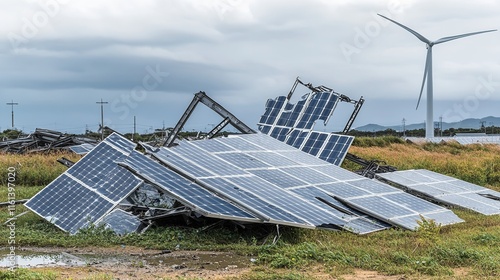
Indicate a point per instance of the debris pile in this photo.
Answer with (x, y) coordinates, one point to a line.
(44, 140)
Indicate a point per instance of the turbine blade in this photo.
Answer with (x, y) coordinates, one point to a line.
(425, 76)
(418, 35)
(446, 39)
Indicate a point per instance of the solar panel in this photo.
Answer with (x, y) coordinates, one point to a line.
(88, 190)
(121, 222)
(284, 177)
(293, 125)
(82, 148)
(463, 140)
(291, 175)
(446, 189)
(185, 191)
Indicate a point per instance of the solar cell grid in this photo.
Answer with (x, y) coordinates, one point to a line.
(287, 201)
(279, 178)
(184, 190)
(68, 204)
(169, 158)
(239, 145)
(248, 199)
(201, 158)
(343, 190)
(272, 159)
(308, 174)
(243, 160)
(89, 189)
(120, 142)
(303, 158)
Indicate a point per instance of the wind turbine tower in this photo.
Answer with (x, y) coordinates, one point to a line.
(429, 124)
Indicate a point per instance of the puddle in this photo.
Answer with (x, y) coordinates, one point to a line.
(172, 260)
(33, 259)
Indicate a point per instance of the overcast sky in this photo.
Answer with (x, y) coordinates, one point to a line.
(147, 58)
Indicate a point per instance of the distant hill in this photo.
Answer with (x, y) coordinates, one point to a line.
(466, 123)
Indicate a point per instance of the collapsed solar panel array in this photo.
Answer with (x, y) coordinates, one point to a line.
(288, 174)
(248, 178)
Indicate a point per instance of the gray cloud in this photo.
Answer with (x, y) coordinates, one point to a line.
(240, 52)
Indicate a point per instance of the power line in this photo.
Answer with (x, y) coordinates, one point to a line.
(12, 104)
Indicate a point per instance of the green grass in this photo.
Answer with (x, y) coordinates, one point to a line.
(26, 274)
(432, 251)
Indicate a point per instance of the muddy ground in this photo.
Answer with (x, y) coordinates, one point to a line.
(137, 263)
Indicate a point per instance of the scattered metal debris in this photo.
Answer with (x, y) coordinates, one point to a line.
(43, 140)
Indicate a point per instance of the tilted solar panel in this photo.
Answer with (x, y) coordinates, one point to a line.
(351, 189)
(293, 125)
(89, 189)
(186, 191)
(82, 148)
(446, 190)
(268, 175)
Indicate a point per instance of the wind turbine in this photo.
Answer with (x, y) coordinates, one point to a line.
(429, 126)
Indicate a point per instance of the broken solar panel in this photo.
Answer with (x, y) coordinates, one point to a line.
(446, 190)
(183, 190)
(229, 179)
(269, 171)
(89, 189)
(121, 222)
(82, 148)
(293, 125)
(274, 172)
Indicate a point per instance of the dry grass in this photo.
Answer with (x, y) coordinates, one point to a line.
(33, 169)
(479, 164)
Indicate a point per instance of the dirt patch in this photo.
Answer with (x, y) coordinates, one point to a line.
(128, 262)
(137, 263)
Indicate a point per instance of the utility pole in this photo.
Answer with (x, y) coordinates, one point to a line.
(404, 127)
(102, 118)
(133, 135)
(441, 126)
(12, 104)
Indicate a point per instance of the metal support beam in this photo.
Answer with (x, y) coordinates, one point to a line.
(216, 107)
(218, 128)
(354, 114)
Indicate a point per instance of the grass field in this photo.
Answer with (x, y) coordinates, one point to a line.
(431, 252)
